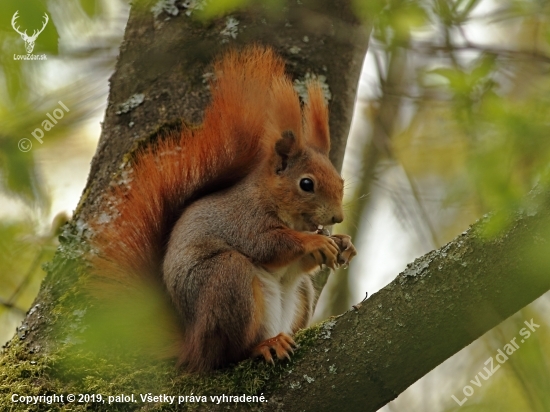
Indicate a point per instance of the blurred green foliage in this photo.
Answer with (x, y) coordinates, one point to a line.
(22, 253)
(459, 107)
(460, 99)
(18, 173)
(493, 103)
(29, 90)
(220, 7)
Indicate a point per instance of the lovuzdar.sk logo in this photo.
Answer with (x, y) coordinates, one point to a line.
(29, 39)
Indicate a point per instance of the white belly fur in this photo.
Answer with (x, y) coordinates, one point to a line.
(280, 299)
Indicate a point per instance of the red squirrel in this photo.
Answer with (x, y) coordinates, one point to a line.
(225, 216)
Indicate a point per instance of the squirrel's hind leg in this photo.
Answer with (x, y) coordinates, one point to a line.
(302, 306)
(227, 308)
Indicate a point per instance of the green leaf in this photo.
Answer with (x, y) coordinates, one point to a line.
(18, 174)
(91, 7)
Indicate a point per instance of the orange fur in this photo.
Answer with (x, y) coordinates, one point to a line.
(285, 113)
(259, 309)
(254, 128)
(316, 119)
(166, 176)
(306, 305)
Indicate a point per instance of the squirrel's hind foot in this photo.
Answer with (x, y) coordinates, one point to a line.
(282, 344)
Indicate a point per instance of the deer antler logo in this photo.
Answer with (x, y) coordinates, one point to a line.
(29, 40)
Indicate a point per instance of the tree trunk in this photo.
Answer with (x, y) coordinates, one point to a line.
(165, 59)
(358, 361)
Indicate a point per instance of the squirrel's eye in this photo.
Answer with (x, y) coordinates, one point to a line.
(306, 185)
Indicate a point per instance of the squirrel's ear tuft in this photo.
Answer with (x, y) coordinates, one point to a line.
(316, 119)
(285, 114)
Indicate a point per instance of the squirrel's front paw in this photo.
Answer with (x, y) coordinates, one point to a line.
(323, 249)
(282, 344)
(347, 250)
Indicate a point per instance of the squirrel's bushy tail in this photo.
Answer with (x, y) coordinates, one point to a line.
(130, 232)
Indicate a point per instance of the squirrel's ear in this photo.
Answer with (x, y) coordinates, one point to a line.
(316, 119)
(284, 125)
(286, 147)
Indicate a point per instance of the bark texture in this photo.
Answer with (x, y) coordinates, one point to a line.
(356, 362)
(165, 59)
(440, 304)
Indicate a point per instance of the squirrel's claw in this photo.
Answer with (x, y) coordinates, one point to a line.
(346, 249)
(281, 344)
(264, 351)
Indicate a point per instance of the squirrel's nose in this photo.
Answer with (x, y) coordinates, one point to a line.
(337, 218)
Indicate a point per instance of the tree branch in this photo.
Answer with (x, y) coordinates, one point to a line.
(359, 361)
(441, 303)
